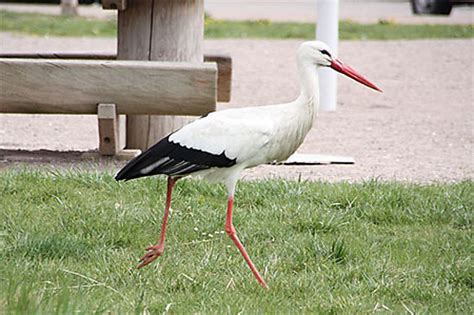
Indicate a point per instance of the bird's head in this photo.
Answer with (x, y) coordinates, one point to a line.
(319, 54)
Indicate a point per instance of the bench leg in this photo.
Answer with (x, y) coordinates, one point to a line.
(109, 143)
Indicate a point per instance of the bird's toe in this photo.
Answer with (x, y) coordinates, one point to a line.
(153, 253)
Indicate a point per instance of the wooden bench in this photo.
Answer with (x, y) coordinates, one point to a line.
(98, 84)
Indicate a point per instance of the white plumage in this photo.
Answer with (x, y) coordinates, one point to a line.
(221, 145)
(252, 136)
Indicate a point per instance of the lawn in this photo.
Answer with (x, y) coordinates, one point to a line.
(70, 242)
(47, 25)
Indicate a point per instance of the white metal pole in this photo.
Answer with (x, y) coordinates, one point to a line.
(327, 30)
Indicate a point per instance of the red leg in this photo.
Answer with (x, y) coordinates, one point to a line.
(155, 251)
(229, 228)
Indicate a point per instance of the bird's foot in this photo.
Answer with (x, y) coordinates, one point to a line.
(153, 253)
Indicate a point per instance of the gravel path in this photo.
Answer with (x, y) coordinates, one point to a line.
(420, 129)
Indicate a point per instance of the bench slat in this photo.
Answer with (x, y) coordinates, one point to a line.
(77, 86)
(224, 66)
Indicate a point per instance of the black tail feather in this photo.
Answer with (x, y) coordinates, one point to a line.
(172, 159)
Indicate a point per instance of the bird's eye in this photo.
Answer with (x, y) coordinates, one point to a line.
(325, 52)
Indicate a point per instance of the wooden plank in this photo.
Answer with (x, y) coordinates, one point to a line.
(224, 66)
(224, 75)
(108, 129)
(77, 86)
(60, 55)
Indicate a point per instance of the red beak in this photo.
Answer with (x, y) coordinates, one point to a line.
(351, 73)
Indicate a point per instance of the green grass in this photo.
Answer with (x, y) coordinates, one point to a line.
(49, 25)
(70, 243)
(37, 24)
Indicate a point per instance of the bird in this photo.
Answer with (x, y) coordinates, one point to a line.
(218, 147)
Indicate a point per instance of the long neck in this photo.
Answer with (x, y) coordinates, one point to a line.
(309, 86)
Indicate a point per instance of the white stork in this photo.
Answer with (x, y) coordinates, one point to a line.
(219, 146)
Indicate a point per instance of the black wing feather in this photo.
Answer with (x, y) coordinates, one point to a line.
(172, 159)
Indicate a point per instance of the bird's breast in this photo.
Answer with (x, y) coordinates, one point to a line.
(288, 136)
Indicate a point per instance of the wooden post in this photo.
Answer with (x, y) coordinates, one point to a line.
(109, 134)
(164, 30)
(109, 143)
(69, 7)
(114, 4)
